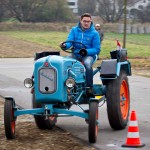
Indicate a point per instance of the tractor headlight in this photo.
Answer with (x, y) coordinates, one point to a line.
(70, 82)
(28, 82)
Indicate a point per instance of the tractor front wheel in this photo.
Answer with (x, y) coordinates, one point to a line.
(93, 121)
(9, 119)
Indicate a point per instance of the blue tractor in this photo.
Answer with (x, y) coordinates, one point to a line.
(59, 82)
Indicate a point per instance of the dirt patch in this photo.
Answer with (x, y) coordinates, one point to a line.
(12, 47)
(29, 137)
(145, 72)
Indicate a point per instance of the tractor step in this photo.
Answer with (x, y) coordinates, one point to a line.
(98, 98)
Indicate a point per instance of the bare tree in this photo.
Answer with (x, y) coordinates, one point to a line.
(1, 11)
(86, 6)
(38, 10)
(110, 10)
(22, 10)
(141, 14)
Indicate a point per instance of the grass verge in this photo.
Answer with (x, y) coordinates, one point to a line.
(25, 44)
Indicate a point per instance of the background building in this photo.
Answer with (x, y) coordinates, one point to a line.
(138, 4)
(73, 4)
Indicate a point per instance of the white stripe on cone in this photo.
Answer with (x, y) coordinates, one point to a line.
(133, 135)
(133, 123)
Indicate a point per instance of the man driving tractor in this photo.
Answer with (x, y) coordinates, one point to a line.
(86, 34)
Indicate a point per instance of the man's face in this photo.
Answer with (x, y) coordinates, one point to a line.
(86, 22)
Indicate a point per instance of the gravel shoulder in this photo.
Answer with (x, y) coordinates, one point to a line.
(29, 137)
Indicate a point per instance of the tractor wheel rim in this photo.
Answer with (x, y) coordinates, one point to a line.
(52, 117)
(13, 123)
(124, 99)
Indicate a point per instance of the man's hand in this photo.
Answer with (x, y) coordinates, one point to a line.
(62, 45)
(83, 52)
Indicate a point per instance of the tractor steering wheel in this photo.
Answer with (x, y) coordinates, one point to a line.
(70, 50)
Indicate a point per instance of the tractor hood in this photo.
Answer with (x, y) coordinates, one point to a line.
(50, 74)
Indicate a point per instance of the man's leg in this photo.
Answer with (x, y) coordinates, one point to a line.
(88, 62)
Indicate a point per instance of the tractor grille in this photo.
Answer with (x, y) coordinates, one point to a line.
(47, 80)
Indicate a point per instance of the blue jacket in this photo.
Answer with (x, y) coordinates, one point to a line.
(89, 37)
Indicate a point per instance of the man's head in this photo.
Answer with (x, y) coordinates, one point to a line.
(97, 26)
(86, 20)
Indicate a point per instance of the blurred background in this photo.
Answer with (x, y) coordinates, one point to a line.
(61, 15)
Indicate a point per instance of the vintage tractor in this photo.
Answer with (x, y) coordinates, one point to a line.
(59, 82)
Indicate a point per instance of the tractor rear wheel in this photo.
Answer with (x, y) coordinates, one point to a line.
(40, 121)
(9, 119)
(118, 101)
(92, 121)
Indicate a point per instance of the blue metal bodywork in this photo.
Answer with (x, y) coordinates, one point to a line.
(126, 66)
(62, 69)
(39, 111)
(65, 67)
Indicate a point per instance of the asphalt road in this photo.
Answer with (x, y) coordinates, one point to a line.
(14, 71)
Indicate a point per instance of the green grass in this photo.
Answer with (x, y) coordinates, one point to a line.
(51, 39)
(140, 39)
(138, 45)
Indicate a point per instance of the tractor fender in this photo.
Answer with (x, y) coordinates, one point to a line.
(110, 69)
(126, 66)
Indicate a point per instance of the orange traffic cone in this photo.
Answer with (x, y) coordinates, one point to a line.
(133, 137)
